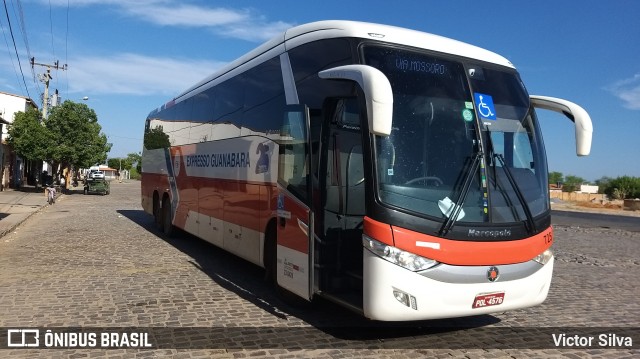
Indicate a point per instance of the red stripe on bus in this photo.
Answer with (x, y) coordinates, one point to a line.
(295, 216)
(472, 253)
(243, 203)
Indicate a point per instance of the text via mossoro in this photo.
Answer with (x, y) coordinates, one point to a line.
(228, 159)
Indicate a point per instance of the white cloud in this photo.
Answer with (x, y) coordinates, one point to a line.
(628, 90)
(236, 23)
(132, 74)
(136, 74)
(185, 15)
(255, 30)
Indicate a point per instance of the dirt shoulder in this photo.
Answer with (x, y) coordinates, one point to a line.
(612, 208)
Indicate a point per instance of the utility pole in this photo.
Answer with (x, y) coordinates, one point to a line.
(45, 79)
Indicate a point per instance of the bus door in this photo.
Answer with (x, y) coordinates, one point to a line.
(339, 252)
(295, 218)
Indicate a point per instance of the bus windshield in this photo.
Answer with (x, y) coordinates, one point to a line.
(437, 133)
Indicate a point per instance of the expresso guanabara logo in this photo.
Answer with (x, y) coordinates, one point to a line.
(262, 166)
(224, 159)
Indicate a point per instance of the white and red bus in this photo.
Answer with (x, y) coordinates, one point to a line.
(395, 172)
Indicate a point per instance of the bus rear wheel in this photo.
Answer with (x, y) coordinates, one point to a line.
(167, 227)
(157, 214)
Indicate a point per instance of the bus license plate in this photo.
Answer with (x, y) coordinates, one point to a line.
(487, 300)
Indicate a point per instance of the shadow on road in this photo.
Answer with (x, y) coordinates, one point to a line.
(247, 281)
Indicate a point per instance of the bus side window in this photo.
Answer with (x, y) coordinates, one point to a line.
(293, 164)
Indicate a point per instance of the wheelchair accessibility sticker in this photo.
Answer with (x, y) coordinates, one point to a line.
(484, 106)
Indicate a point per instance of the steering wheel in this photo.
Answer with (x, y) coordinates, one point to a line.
(437, 180)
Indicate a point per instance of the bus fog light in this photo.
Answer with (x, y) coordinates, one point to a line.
(544, 257)
(405, 298)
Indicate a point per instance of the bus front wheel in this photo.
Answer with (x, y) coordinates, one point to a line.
(270, 256)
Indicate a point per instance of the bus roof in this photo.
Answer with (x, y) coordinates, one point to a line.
(302, 34)
(391, 34)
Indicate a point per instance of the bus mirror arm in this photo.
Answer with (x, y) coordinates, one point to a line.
(377, 92)
(577, 114)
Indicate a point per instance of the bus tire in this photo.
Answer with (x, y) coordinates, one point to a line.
(167, 227)
(157, 214)
(270, 255)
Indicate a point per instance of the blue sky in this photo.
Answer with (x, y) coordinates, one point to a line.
(129, 57)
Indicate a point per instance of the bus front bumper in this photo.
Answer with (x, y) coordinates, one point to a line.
(392, 293)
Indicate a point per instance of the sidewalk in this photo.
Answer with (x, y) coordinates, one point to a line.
(16, 206)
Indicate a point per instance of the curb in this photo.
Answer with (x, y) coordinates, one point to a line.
(25, 217)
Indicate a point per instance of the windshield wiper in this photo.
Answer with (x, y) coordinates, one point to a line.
(530, 223)
(468, 177)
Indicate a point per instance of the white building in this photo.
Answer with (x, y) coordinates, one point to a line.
(12, 168)
(585, 188)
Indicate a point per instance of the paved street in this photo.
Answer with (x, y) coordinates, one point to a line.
(97, 262)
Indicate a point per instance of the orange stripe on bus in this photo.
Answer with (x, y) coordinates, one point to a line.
(472, 253)
(379, 231)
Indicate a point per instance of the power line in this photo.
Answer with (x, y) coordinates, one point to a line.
(6, 41)
(53, 50)
(66, 48)
(6, 11)
(127, 138)
(23, 28)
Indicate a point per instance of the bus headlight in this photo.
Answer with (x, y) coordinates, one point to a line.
(397, 256)
(544, 257)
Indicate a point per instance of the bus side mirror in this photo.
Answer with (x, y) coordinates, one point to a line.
(377, 92)
(580, 117)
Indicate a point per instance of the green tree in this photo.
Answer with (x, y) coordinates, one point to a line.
(603, 183)
(156, 138)
(555, 177)
(28, 136)
(623, 187)
(117, 163)
(125, 163)
(135, 159)
(76, 136)
(572, 183)
(134, 174)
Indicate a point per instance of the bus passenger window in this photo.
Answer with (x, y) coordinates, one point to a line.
(293, 169)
